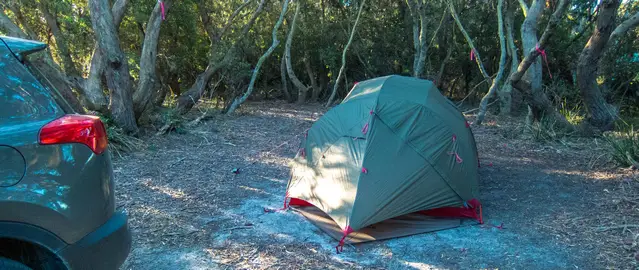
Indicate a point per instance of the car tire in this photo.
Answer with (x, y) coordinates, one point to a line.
(7, 264)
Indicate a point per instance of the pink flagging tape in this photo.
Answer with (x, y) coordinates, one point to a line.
(543, 55)
(162, 9)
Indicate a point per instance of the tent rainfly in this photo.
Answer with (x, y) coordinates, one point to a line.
(395, 158)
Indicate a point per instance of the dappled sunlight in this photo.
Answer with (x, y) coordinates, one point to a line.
(171, 192)
(257, 190)
(420, 266)
(596, 175)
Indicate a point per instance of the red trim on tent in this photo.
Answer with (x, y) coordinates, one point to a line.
(298, 202)
(468, 212)
(473, 210)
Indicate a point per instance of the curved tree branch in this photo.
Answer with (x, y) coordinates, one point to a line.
(343, 68)
(238, 101)
(483, 106)
(624, 27)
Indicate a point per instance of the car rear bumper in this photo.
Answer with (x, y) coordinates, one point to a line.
(105, 248)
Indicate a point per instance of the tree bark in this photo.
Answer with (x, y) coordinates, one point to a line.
(187, 100)
(420, 22)
(60, 41)
(529, 41)
(315, 91)
(94, 98)
(342, 69)
(285, 90)
(442, 66)
(302, 89)
(117, 67)
(469, 40)
(238, 101)
(505, 94)
(539, 102)
(148, 77)
(601, 114)
(483, 105)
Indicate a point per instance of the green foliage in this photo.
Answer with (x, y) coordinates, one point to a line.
(572, 113)
(624, 146)
(548, 130)
(383, 45)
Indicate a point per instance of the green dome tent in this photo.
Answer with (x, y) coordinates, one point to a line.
(395, 158)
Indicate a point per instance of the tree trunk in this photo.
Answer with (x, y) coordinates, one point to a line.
(60, 41)
(93, 97)
(420, 22)
(187, 100)
(302, 90)
(117, 67)
(478, 60)
(238, 101)
(148, 76)
(311, 76)
(343, 67)
(529, 42)
(285, 90)
(505, 94)
(483, 105)
(539, 102)
(601, 114)
(442, 66)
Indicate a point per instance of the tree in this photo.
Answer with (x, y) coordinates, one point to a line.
(529, 42)
(187, 100)
(484, 103)
(60, 39)
(539, 101)
(505, 94)
(239, 100)
(601, 114)
(148, 77)
(94, 98)
(117, 67)
(342, 69)
(483, 106)
(418, 13)
(301, 88)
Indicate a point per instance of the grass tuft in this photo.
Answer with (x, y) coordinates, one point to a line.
(624, 146)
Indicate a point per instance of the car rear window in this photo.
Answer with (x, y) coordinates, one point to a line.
(22, 96)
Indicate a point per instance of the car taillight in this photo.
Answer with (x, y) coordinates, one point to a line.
(73, 128)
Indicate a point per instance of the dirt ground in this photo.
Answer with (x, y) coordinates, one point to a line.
(552, 205)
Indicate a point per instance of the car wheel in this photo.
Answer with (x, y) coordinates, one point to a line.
(7, 264)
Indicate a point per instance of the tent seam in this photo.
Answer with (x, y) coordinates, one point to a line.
(423, 157)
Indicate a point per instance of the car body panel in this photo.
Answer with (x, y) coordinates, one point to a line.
(20, 47)
(66, 189)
